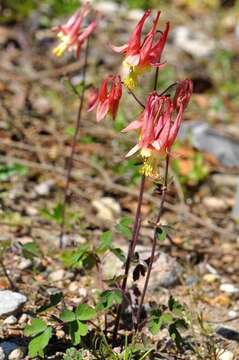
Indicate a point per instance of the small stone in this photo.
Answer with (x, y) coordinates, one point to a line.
(135, 14)
(213, 203)
(23, 319)
(11, 302)
(31, 211)
(25, 264)
(227, 333)
(107, 208)
(2, 355)
(229, 288)
(82, 292)
(225, 355)
(106, 7)
(42, 105)
(166, 272)
(57, 275)
(10, 320)
(16, 354)
(44, 188)
(73, 286)
(6, 347)
(193, 42)
(210, 278)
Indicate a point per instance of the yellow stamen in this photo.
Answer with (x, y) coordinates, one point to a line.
(61, 48)
(150, 165)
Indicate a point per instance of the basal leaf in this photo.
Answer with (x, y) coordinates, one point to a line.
(67, 316)
(85, 312)
(36, 327)
(38, 343)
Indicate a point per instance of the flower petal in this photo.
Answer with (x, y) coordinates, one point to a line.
(133, 150)
(102, 110)
(134, 125)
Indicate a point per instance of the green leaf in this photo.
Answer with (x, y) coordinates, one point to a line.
(76, 330)
(54, 300)
(82, 328)
(7, 171)
(73, 354)
(30, 250)
(36, 327)
(166, 318)
(67, 316)
(175, 306)
(38, 343)
(175, 335)
(109, 298)
(155, 321)
(119, 254)
(123, 227)
(105, 242)
(85, 312)
(161, 233)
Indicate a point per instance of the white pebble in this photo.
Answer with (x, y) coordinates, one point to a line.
(10, 320)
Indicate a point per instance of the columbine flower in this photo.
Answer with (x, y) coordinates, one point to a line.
(107, 101)
(158, 130)
(141, 55)
(71, 35)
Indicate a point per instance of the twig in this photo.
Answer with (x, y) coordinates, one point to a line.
(11, 283)
(74, 141)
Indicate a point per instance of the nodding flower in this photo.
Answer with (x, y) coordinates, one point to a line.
(141, 55)
(159, 126)
(109, 95)
(72, 36)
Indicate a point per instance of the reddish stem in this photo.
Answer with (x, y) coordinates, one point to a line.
(132, 245)
(73, 147)
(161, 207)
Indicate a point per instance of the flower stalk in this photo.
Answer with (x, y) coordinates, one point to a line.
(73, 147)
(157, 226)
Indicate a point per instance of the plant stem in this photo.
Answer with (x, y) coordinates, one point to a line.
(73, 147)
(132, 245)
(157, 224)
(168, 88)
(156, 78)
(134, 96)
(6, 275)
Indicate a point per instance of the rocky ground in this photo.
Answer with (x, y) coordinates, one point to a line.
(198, 266)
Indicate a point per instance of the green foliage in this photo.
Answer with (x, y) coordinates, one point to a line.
(129, 168)
(4, 245)
(197, 174)
(40, 334)
(75, 321)
(161, 233)
(8, 171)
(30, 250)
(55, 299)
(123, 227)
(120, 122)
(105, 242)
(83, 257)
(56, 215)
(174, 319)
(73, 354)
(109, 298)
